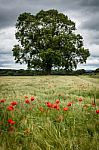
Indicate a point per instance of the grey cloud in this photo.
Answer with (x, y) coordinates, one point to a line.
(2, 52)
(91, 24)
(90, 5)
(93, 3)
(91, 14)
(95, 41)
(10, 10)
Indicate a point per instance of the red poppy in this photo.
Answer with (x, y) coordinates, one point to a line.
(80, 99)
(27, 101)
(10, 108)
(25, 96)
(65, 109)
(41, 109)
(32, 98)
(54, 105)
(57, 101)
(93, 104)
(49, 104)
(14, 103)
(58, 108)
(85, 106)
(2, 100)
(69, 104)
(97, 111)
(10, 121)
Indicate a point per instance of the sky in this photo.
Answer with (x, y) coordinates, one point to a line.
(85, 14)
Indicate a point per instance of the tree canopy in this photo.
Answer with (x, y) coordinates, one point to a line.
(48, 40)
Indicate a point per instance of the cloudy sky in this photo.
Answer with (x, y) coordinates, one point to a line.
(85, 13)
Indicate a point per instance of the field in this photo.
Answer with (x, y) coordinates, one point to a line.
(49, 113)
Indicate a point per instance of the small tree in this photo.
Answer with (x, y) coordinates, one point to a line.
(47, 40)
(97, 70)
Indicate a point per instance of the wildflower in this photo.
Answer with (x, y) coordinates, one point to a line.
(57, 101)
(80, 99)
(49, 104)
(10, 108)
(32, 98)
(41, 109)
(85, 106)
(25, 96)
(65, 109)
(97, 111)
(69, 104)
(2, 100)
(58, 108)
(93, 104)
(55, 106)
(14, 103)
(10, 121)
(27, 101)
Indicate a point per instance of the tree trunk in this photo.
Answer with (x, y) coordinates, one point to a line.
(48, 68)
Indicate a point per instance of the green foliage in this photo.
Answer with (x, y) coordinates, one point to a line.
(48, 40)
(97, 70)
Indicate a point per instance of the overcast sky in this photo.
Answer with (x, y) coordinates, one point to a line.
(85, 13)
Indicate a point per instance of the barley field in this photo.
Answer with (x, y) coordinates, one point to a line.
(49, 113)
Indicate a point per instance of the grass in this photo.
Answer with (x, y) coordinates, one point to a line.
(40, 127)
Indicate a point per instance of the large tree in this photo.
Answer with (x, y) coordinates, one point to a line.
(47, 40)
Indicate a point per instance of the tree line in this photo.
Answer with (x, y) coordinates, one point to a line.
(21, 72)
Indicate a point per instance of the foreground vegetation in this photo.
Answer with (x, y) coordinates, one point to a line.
(49, 113)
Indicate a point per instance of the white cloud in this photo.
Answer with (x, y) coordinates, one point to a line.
(7, 39)
(13, 66)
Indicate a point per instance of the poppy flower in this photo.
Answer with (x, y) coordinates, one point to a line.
(14, 103)
(80, 99)
(54, 105)
(65, 109)
(27, 101)
(57, 101)
(32, 98)
(49, 104)
(69, 104)
(41, 109)
(58, 108)
(85, 106)
(97, 111)
(10, 121)
(2, 100)
(93, 104)
(25, 96)
(10, 108)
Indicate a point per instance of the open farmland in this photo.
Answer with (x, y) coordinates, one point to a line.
(49, 113)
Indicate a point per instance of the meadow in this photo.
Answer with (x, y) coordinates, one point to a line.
(49, 113)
